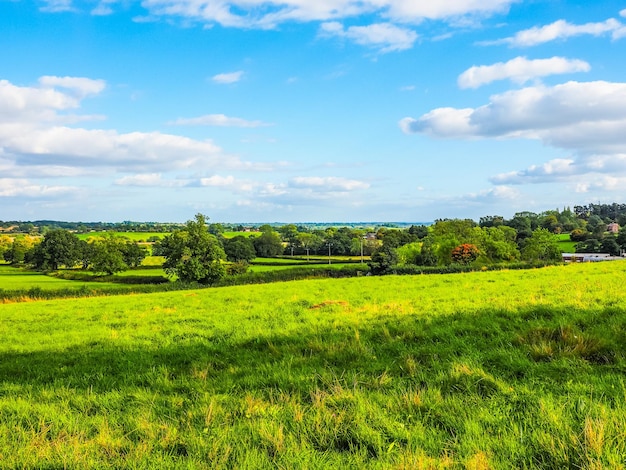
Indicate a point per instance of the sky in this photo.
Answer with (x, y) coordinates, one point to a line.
(309, 110)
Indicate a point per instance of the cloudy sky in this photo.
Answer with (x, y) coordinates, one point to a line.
(309, 110)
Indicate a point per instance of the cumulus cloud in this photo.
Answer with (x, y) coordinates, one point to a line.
(227, 78)
(587, 119)
(519, 70)
(33, 133)
(552, 114)
(549, 171)
(560, 30)
(220, 120)
(385, 37)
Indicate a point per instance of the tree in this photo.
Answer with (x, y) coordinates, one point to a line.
(268, 244)
(578, 235)
(133, 253)
(383, 259)
(541, 246)
(59, 247)
(609, 245)
(239, 248)
(193, 254)
(106, 255)
(21, 249)
(465, 253)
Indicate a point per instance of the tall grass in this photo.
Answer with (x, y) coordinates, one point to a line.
(509, 369)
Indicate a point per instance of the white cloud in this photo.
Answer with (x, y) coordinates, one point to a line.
(104, 8)
(220, 120)
(32, 133)
(552, 114)
(562, 29)
(148, 180)
(384, 36)
(227, 78)
(81, 86)
(327, 184)
(587, 119)
(55, 6)
(519, 70)
(549, 171)
(602, 183)
(270, 13)
(497, 193)
(10, 187)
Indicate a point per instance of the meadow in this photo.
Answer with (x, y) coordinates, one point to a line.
(506, 369)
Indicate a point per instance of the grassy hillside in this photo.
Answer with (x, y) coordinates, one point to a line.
(509, 369)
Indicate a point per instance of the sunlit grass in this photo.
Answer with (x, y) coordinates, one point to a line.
(508, 369)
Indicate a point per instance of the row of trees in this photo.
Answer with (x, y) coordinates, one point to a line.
(61, 248)
(193, 253)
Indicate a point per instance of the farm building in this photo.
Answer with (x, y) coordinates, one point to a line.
(588, 257)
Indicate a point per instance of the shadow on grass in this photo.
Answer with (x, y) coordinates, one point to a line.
(547, 344)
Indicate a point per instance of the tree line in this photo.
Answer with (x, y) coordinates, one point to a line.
(199, 252)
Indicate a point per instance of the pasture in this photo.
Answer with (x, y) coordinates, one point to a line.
(507, 369)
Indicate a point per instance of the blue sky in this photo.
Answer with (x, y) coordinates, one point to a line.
(303, 110)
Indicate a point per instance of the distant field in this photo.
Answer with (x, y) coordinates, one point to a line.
(135, 236)
(240, 234)
(488, 370)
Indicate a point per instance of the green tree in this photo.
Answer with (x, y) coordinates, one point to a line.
(21, 249)
(133, 253)
(193, 254)
(59, 247)
(609, 245)
(383, 260)
(541, 246)
(268, 244)
(239, 248)
(106, 255)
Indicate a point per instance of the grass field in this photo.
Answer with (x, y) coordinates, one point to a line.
(509, 369)
(134, 236)
(565, 244)
(19, 279)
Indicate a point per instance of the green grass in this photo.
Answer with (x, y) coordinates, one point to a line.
(508, 369)
(279, 267)
(20, 279)
(134, 236)
(240, 234)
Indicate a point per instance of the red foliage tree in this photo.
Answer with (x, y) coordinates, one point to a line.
(465, 253)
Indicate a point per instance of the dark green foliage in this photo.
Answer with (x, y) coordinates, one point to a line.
(59, 247)
(590, 245)
(268, 244)
(383, 260)
(193, 254)
(609, 245)
(239, 248)
(133, 253)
